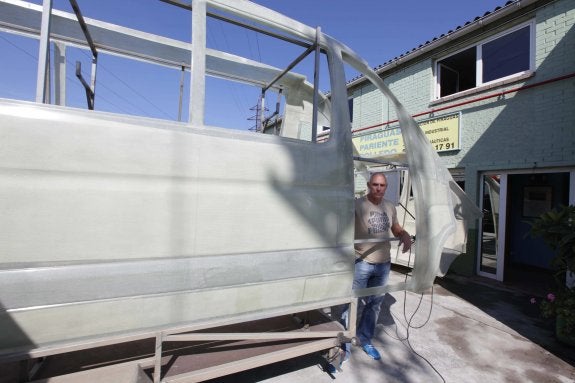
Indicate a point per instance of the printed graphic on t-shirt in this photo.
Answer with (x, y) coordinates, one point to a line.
(377, 222)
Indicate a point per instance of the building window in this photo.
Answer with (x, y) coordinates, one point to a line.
(505, 55)
(350, 106)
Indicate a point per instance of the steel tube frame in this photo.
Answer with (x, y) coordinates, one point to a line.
(60, 73)
(198, 64)
(84, 27)
(315, 87)
(188, 6)
(376, 161)
(42, 92)
(43, 76)
(181, 97)
(323, 340)
(289, 67)
(249, 363)
(161, 336)
(253, 336)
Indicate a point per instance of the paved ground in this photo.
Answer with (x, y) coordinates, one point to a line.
(466, 331)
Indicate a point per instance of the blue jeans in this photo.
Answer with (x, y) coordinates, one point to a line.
(368, 275)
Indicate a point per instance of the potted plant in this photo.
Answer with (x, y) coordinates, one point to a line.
(561, 306)
(557, 229)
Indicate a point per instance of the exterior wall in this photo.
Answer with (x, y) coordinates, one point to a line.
(533, 128)
(367, 106)
(370, 107)
(412, 86)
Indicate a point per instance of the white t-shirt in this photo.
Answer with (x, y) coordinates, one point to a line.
(374, 221)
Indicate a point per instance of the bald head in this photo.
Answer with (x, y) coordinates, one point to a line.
(376, 186)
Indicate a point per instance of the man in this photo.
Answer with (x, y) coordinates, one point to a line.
(375, 218)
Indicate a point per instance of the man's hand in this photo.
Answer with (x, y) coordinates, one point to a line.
(405, 239)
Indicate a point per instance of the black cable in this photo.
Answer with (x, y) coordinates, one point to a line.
(411, 318)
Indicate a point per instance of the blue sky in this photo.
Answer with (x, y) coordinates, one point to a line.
(378, 30)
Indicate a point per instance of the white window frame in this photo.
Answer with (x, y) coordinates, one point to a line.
(479, 63)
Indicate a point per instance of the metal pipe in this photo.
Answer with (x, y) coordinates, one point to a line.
(44, 54)
(278, 102)
(87, 88)
(251, 335)
(180, 4)
(59, 74)
(290, 67)
(198, 63)
(93, 80)
(84, 27)
(375, 161)
(375, 240)
(182, 78)
(315, 87)
(262, 111)
(158, 358)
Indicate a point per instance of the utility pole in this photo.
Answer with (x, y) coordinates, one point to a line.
(258, 117)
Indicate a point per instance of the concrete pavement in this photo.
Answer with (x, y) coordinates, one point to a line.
(466, 331)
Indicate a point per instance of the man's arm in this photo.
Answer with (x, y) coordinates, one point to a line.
(403, 236)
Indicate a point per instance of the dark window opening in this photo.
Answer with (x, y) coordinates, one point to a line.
(501, 57)
(350, 105)
(457, 72)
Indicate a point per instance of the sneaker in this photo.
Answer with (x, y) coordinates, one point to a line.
(371, 351)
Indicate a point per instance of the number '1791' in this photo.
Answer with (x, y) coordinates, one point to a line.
(445, 146)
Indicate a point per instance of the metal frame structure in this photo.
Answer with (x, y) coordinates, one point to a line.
(151, 247)
(58, 27)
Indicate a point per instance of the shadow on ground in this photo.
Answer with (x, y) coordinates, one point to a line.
(273, 370)
(510, 305)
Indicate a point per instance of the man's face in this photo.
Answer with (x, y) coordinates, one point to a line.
(377, 186)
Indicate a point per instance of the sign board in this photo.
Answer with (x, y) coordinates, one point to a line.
(442, 132)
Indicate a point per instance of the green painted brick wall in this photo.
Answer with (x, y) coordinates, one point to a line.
(531, 128)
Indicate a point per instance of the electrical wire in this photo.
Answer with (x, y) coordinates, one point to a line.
(409, 325)
(19, 48)
(237, 94)
(129, 87)
(258, 46)
(35, 59)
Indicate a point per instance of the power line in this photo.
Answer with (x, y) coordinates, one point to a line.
(103, 85)
(19, 48)
(249, 43)
(73, 81)
(35, 59)
(235, 91)
(258, 46)
(130, 88)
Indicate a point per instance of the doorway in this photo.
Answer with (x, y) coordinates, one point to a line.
(509, 203)
(531, 195)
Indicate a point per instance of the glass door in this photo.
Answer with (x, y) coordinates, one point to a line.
(491, 244)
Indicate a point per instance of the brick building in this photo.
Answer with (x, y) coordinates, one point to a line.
(496, 97)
